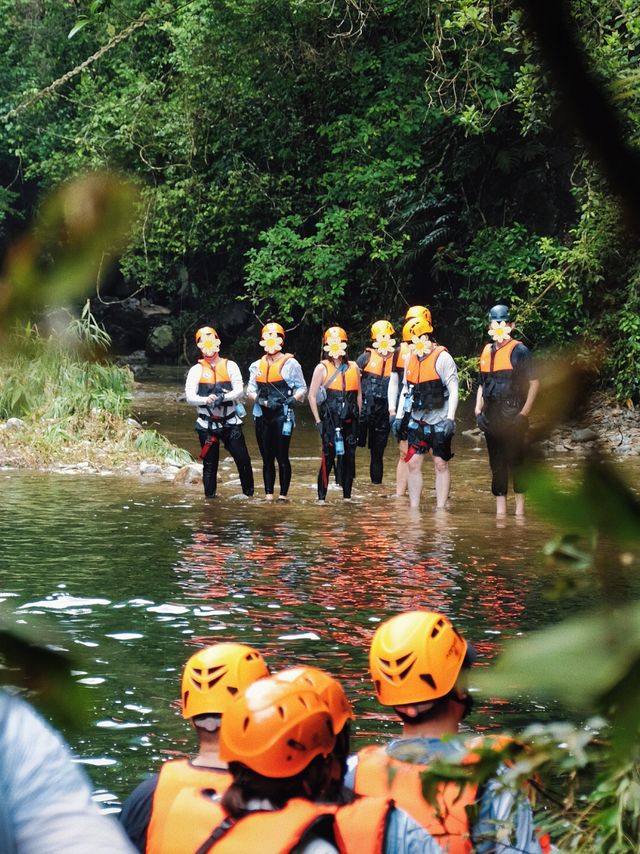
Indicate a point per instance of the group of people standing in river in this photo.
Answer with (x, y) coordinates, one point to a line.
(274, 772)
(410, 390)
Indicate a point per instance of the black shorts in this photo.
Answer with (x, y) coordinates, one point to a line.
(425, 437)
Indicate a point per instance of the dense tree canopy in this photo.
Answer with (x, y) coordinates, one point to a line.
(327, 160)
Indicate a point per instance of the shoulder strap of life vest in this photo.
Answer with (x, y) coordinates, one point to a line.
(361, 825)
(379, 775)
(277, 832)
(176, 776)
(219, 371)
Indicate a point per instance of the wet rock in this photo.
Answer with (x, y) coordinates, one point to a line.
(129, 321)
(162, 343)
(586, 434)
(475, 433)
(149, 468)
(133, 423)
(189, 474)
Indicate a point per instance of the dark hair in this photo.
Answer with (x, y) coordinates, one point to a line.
(248, 785)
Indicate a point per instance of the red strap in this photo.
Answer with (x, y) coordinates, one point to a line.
(205, 448)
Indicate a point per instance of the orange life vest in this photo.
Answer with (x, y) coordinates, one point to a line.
(176, 776)
(375, 375)
(341, 386)
(271, 386)
(398, 358)
(496, 373)
(194, 817)
(424, 382)
(361, 825)
(380, 775)
(215, 379)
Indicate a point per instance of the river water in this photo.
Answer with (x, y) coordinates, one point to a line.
(136, 573)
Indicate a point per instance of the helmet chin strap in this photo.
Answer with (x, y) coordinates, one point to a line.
(466, 701)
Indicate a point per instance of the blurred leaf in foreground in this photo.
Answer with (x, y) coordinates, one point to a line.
(81, 226)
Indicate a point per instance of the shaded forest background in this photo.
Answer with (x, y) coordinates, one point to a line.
(321, 162)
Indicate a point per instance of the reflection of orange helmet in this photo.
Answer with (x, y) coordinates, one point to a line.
(327, 688)
(205, 331)
(335, 332)
(415, 327)
(418, 311)
(276, 728)
(215, 674)
(415, 658)
(381, 327)
(272, 329)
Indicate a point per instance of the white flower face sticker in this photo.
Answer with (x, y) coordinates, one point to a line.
(384, 344)
(209, 344)
(335, 348)
(499, 330)
(272, 343)
(420, 345)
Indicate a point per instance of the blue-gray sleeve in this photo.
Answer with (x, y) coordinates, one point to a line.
(505, 822)
(293, 376)
(406, 836)
(46, 797)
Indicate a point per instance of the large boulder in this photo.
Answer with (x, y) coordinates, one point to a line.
(129, 321)
(162, 343)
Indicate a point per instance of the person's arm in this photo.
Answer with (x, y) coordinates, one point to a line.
(479, 401)
(237, 386)
(293, 376)
(359, 393)
(392, 393)
(45, 795)
(136, 812)
(319, 375)
(191, 388)
(505, 822)
(446, 368)
(252, 385)
(534, 387)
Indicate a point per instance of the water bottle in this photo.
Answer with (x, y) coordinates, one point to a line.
(339, 443)
(240, 410)
(408, 402)
(287, 425)
(412, 424)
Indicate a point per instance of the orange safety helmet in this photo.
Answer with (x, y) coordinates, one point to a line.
(328, 689)
(215, 674)
(273, 329)
(335, 332)
(276, 728)
(415, 658)
(204, 332)
(381, 327)
(415, 327)
(418, 311)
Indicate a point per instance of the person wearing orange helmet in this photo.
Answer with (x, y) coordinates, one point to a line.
(419, 665)
(397, 367)
(335, 399)
(214, 385)
(507, 390)
(211, 678)
(426, 408)
(376, 364)
(275, 385)
(276, 738)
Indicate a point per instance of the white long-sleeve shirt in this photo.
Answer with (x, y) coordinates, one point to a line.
(195, 399)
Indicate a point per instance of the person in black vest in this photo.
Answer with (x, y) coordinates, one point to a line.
(376, 364)
(506, 392)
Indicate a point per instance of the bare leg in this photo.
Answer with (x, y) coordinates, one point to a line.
(519, 503)
(501, 505)
(415, 479)
(443, 481)
(402, 471)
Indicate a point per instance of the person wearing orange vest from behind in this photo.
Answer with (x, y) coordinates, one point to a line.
(507, 390)
(276, 738)
(211, 678)
(397, 367)
(418, 663)
(375, 364)
(426, 408)
(214, 385)
(372, 825)
(335, 399)
(276, 384)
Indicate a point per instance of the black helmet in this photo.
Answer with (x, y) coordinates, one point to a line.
(500, 312)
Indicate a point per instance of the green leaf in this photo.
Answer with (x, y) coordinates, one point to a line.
(80, 25)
